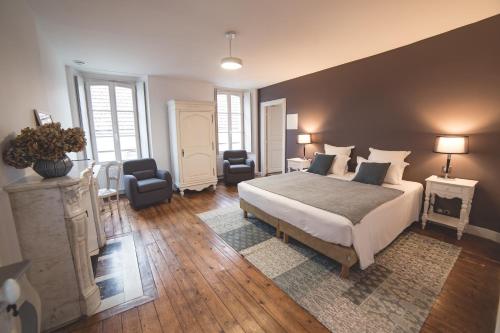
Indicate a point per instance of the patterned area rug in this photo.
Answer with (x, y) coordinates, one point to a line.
(393, 295)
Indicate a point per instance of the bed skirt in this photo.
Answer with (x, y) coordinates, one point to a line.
(346, 256)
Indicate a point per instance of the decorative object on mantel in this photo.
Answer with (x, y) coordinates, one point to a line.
(42, 118)
(451, 144)
(44, 149)
(20, 305)
(304, 139)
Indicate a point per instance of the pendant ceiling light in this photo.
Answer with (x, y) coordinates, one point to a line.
(231, 63)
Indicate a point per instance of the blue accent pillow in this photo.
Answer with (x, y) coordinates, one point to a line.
(371, 173)
(321, 164)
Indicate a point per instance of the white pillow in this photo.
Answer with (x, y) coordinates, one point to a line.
(396, 158)
(333, 150)
(339, 165)
(377, 155)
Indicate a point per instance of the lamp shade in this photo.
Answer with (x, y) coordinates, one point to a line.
(304, 138)
(231, 63)
(448, 144)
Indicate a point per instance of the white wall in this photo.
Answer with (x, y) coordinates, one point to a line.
(25, 84)
(160, 90)
(55, 84)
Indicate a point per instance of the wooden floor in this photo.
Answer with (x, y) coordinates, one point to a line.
(199, 284)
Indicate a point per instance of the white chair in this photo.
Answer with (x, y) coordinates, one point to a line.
(113, 175)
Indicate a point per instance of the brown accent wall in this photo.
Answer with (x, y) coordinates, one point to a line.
(400, 99)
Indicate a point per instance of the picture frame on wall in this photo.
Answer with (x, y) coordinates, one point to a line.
(42, 118)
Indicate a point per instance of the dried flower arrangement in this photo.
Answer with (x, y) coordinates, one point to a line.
(46, 142)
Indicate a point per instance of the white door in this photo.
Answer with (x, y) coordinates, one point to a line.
(196, 131)
(274, 139)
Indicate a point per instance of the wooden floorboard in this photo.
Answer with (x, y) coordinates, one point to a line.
(194, 282)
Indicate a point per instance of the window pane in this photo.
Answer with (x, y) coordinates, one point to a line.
(103, 124)
(222, 115)
(129, 155)
(126, 131)
(236, 123)
(126, 123)
(223, 141)
(236, 140)
(124, 99)
(106, 157)
(128, 143)
(105, 143)
(222, 122)
(235, 104)
(99, 96)
(222, 103)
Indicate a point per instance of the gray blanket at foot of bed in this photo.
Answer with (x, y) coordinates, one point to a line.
(352, 200)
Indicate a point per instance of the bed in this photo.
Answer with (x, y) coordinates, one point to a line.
(332, 234)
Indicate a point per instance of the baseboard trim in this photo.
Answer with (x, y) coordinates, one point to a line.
(483, 233)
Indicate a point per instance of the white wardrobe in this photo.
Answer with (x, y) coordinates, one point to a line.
(192, 144)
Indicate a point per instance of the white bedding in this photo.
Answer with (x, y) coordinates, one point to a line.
(372, 234)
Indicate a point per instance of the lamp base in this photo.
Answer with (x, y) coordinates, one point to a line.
(446, 171)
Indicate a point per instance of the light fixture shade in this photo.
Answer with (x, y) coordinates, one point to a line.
(452, 144)
(231, 63)
(304, 138)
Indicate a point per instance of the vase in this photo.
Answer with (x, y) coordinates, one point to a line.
(52, 169)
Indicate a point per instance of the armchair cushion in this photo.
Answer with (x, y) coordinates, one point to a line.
(240, 168)
(144, 174)
(236, 160)
(151, 184)
(163, 174)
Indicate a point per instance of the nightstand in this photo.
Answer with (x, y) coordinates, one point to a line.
(449, 189)
(297, 163)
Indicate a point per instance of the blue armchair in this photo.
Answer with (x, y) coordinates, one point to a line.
(145, 184)
(237, 166)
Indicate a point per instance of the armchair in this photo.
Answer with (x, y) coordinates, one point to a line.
(237, 166)
(145, 184)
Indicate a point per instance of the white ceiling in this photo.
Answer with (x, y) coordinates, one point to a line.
(277, 39)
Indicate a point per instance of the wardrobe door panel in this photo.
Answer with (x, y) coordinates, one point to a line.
(197, 146)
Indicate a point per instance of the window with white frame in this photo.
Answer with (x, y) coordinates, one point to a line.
(230, 121)
(113, 122)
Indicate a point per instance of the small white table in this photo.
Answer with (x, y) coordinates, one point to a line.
(449, 189)
(297, 163)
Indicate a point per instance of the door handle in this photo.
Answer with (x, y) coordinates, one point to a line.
(182, 152)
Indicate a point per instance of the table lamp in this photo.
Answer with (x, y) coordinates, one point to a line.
(451, 144)
(304, 139)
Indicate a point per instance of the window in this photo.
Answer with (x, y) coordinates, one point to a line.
(230, 120)
(113, 121)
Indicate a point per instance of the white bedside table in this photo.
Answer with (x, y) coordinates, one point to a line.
(297, 163)
(449, 189)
